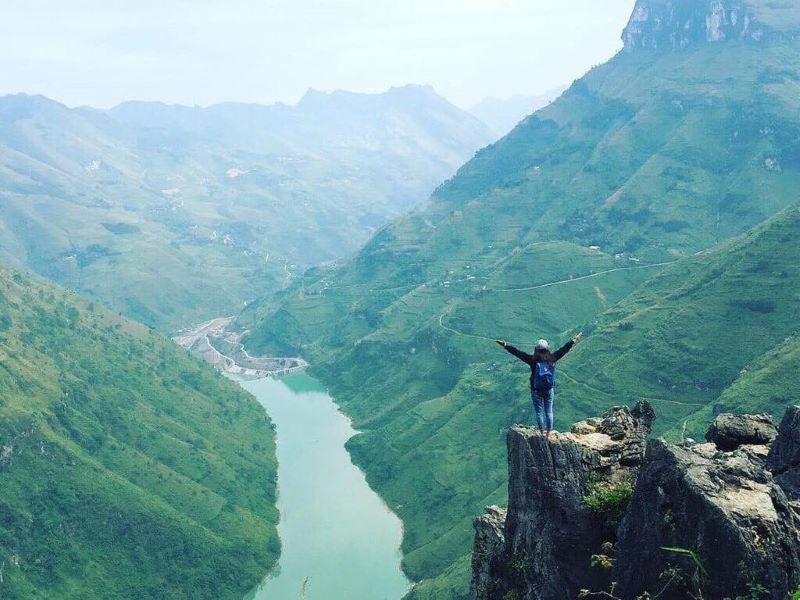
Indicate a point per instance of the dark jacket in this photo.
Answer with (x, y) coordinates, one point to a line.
(531, 360)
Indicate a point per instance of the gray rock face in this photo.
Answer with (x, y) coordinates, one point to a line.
(631, 427)
(550, 534)
(734, 516)
(728, 431)
(784, 455)
(676, 24)
(487, 547)
(785, 452)
(723, 506)
(547, 520)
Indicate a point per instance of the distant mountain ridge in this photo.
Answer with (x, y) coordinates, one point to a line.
(173, 213)
(317, 118)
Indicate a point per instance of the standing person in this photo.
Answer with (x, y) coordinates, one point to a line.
(543, 377)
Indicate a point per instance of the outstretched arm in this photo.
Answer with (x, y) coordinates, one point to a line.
(558, 354)
(523, 356)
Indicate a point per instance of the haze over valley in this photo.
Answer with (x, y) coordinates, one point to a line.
(173, 214)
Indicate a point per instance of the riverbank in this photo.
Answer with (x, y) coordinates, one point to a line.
(212, 342)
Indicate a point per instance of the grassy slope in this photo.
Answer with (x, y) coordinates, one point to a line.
(652, 157)
(767, 383)
(714, 332)
(127, 468)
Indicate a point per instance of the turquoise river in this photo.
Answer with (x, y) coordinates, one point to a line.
(339, 540)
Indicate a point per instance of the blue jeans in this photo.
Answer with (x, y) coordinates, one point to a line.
(543, 408)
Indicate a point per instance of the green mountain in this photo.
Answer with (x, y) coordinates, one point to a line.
(591, 214)
(128, 469)
(172, 214)
(713, 333)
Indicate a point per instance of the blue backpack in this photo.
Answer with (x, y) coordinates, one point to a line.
(544, 376)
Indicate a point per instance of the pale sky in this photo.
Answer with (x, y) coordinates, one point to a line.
(102, 52)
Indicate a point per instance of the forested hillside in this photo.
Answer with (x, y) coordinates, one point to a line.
(611, 210)
(128, 469)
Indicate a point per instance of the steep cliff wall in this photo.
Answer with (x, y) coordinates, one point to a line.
(713, 520)
(676, 24)
(550, 532)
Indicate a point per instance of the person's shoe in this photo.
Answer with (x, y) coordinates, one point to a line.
(547, 435)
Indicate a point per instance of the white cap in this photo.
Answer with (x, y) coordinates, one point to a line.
(542, 345)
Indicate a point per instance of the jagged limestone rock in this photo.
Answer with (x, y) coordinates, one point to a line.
(784, 455)
(729, 431)
(550, 534)
(737, 511)
(585, 427)
(724, 507)
(631, 427)
(677, 24)
(785, 452)
(547, 521)
(488, 546)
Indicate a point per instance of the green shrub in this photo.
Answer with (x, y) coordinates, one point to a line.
(608, 499)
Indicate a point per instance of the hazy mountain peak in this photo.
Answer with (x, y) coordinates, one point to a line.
(413, 89)
(502, 114)
(315, 100)
(152, 113)
(151, 105)
(16, 106)
(411, 92)
(310, 96)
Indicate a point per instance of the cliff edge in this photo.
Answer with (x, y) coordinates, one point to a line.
(600, 504)
(678, 24)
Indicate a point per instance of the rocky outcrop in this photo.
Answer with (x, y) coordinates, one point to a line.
(550, 533)
(702, 500)
(487, 549)
(784, 455)
(677, 24)
(728, 431)
(600, 504)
